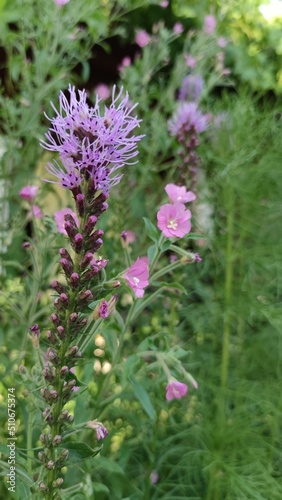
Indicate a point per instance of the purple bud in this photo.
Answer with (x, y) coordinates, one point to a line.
(58, 287)
(67, 267)
(64, 299)
(54, 395)
(73, 317)
(74, 279)
(86, 260)
(61, 332)
(72, 351)
(50, 465)
(103, 310)
(65, 255)
(57, 440)
(55, 319)
(70, 229)
(90, 224)
(51, 337)
(84, 296)
(64, 370)
(52, 355)
(77, 243)
(35, 330)
(26, 245)
(80, 204)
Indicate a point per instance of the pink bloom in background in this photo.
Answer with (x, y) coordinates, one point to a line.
(28, 192)
(142, 38)
(178, 28)
(173, 220)
(125, 62)
(190, 60)
(209, 24)
(60, 221)
(191, 88)
(187, 116)
(154, 477)
(178, 194)
(128, 236)
(175, 390)
(222, 42)
(164, 4)
(103, 91)
(61, 2)
(137, 276)
(36, 212)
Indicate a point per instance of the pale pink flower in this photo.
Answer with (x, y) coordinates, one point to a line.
(175, 390)
(178, 28)
(101, 431)
(190, 60)
(154, 477)
(173, 220)
(142, 38)
(128, 236)
(103, 91)
(60, 221)
(60, 3)
(36, 212)
(137, 276)
(164, 4)
(103, 310)
(222, 42)
(209, 24)
(28, 192)
(125, 62)
(178, 194)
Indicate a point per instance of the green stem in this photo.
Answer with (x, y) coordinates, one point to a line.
(29, 443)
(227, 287)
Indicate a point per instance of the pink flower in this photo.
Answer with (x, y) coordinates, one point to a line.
(173, 220)
(128, 237)
(190, 60)
(126, 61)
(137, 276)
(175, 390)
(28, 192)
(102, 90)
(60, 221)
(164, 4)
(36, 212)
(178, 194)
(61, 2)
(101, 431)
(103, 310)
(142, 38)
(178, 28)
(209, 24)
(222, 42)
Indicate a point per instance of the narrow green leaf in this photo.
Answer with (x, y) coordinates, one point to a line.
(143, 398)
(151, 230)
(151, 252)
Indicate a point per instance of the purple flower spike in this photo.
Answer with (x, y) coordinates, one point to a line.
(91, 143)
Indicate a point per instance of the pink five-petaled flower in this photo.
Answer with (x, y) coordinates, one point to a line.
(60, 221)
(28, 192)
(178, 194)
(137, 276)
(175, 390)
(173, 220)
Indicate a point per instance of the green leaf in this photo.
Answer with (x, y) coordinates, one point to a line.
(151, 252)
(100, 488)
(166, 245)
(80, 450)
(151, 230)
(173, 286)
(143, 398)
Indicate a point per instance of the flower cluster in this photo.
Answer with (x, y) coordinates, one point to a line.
(91, 145)
(173, 218)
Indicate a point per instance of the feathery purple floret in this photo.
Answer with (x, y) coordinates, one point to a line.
(186, 118)
(91, 144)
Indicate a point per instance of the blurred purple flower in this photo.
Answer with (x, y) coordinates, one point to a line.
(89, 143)
(173, 220)
(36, 212)
(61, 2)
(103, 91)
(190, 60)
(178, 28)
(191, 88)
(186, 118)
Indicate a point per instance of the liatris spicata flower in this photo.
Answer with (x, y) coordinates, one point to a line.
(92, 144)
(137, 276)
(175, 390)
(186, 124)
(178, 194)
(191, 88)
(173, 220)
(209, 24)
(142, 38)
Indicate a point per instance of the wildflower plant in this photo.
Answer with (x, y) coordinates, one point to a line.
(93, 144)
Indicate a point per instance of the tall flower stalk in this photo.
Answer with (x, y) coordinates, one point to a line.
(92, 147)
